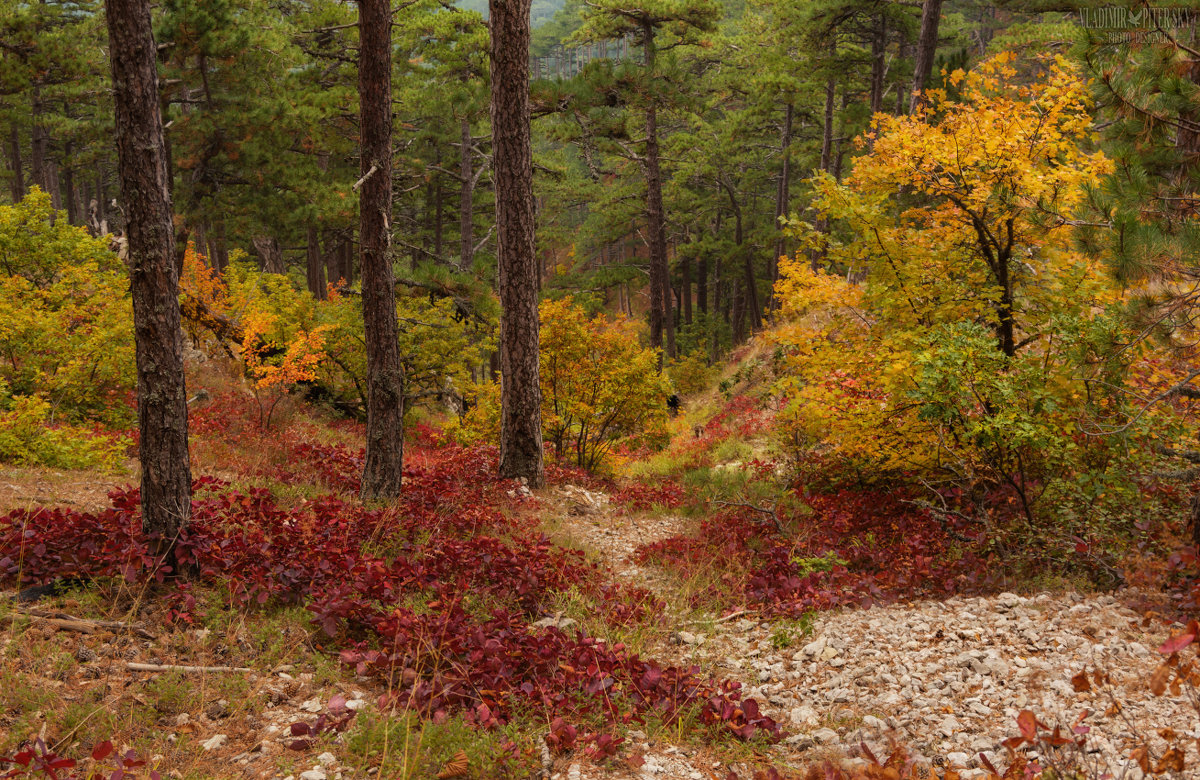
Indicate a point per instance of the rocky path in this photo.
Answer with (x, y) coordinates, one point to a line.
(946, 679)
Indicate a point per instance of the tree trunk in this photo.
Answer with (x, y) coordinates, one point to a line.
(512, 161)
(931, 17)
(17, 182)
(42, 168)
(69, 197)
(385, 374)
(702, 283)
(220, 250)
(685, 282)
(439, 207)
(154, 281)
(466, 213)
(270, 256)
(827, 125)
(738, 315)
(782, 196)
(315, 266)
(200, 240)
(660, 296)
(68, 188)
(878, 62)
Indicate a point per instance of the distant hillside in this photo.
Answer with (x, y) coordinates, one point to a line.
(541, 13)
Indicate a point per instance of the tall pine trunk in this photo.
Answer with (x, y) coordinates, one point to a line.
(931, 17)
(154, 281)
(512, 161)
(16, 184)
(385, 374)
(660, 296)
(315, 265)
(466, 211)
(878, 62)
(782, 195)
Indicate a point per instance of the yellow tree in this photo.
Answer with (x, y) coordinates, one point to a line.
(967, 349)
(964, 208)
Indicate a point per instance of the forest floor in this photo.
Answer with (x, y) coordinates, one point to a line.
(937, 678)
(945, 679)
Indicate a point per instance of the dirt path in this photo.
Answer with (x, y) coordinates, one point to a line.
(946, 679)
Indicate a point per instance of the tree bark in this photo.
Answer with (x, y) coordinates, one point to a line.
(315, 265)
(154, 280)
(385, 374)
(660, 297)
(512, 161)
(685, 281)
(438, 205)
(69, 200)
(782, 196)
(931, 17)
(827, 124)
(17, 182)
(466, 212)
(878, 62)
(702, 283)
(270, 256)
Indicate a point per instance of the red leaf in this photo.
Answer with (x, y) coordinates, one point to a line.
(1027, 723)
(102, 751)
(1180, 640)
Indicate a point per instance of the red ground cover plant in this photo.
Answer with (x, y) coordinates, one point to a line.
(434, 595)
(856, 549)
(641, 496)
(38, 760)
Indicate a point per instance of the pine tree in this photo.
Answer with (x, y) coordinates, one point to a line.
(521, 398)
(162, 398)
(385, 374)
(1149, 207)
(656, 25)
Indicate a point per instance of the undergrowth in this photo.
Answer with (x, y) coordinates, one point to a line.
(433, 597)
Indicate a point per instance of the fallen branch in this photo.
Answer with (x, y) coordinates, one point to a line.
(135, 667)
(769, 511)
(84, 625)
(719, 620)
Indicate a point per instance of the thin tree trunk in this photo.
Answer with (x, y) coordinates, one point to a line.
(438, 205)
(685, 283)
(660, 296)
(466, 213)
(782, 195)
(738, 315)
(17, 182)
(512, 161)
(702, 283)
(315, 268)
(221, 250)
(827, 125)
(931, 17)
(68, 189)
(154, 281)
(878, 62)
(200, 240)
(385, 373)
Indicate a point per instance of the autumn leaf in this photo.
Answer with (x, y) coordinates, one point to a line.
(1172, 761)
(457, 766)
(1181, 640)
(1027, 723)
(1158, 680)
(1080, 682)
